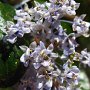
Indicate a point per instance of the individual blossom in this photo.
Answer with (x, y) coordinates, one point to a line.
(85, 57)
(70, 75)
(25, 58)
(22, 15)
(44, 83)
(73, 75)
(53, 1)
(41, 29)
(58, 34)
(80, 26)
(70, 7)
(17, 30)
(48, 79)
(69, 44)
(43, 56)
(4, 25)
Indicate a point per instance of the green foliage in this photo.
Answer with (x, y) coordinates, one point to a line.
(7, 12)
(13, 59)
(8, 64)
(67, 27)
(84, 82)
(41, 1)
(6, 89)
(1, 35)
(9, 61)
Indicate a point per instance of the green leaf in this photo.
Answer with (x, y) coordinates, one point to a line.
(6, 89)
(67, 26)
(9, 61)
(2, 69)
(1, 35)
(13, 60)
(2, 26)
(41, 1)
(7, 12)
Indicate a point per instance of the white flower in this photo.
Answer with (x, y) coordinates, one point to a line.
(85, 57)
(40, 85)
(46, 63)
(48, 84)
(53, 1)
(17, 30)
(21, 15)
(12, 39)
(69, 44)
(80, 26)
(25, 57)
(27, 52)
(43, 56)
(72, 75)
(69, 7)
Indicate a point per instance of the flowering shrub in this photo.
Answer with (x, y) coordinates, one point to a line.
(50, 42)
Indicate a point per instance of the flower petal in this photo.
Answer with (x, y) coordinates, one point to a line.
(50, 47)
(42, 45)
(46, 63)
(23, 48)
(33, 45)
(12, 39)
(36, 65)
(48, 84)
(23, 58)
(54, 55)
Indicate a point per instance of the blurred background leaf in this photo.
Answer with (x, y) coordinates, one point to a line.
(9, 62)
(41, 1)
(6, 89)
(67, 27)
(12, 2)
(7, 12)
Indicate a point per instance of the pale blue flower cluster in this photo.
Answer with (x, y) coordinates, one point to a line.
(43, 22)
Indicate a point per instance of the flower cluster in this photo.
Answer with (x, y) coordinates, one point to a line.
(44, 23)
(48, 74)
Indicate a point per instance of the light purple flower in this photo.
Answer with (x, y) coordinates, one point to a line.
(25, 58)
(80, 26)
(85, 57)
(69, 44)
(69, 7)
